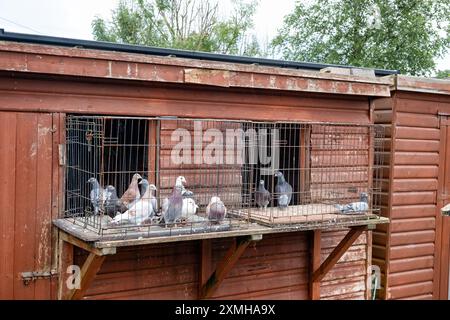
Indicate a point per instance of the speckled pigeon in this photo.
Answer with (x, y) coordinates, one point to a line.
(360, 206)
(283, 190)
(97, 195)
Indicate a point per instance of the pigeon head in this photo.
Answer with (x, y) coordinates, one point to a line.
(152, 187)
(143, 182)
(363, 197)
(261, 182)
(279, 175)
(110, 188)
(180, 181)
(93, 182)
(137, 177)
(215, 199)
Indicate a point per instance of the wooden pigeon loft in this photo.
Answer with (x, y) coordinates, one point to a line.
(328, 166)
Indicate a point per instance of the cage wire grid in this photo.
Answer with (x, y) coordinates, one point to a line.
(329, 166)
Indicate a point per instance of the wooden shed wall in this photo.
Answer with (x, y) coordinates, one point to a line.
(408, 248)
(275, 268)
(152, 272)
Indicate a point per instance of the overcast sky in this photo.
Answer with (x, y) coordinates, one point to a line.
(72, 18)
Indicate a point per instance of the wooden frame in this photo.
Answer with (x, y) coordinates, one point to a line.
(90, 267)
(319, 271)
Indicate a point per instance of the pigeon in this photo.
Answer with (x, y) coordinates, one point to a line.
(144, 184)
(132, 194)
(141, 211)
(174, 208)
(355, 207)
(284, 191)
(216, 210)
(262, 196)
(189, 208)
(179, 182)
(97, 195)
(113, 205)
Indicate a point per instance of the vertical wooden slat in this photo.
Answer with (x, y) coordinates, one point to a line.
(43, 239)
(205, 262)
(368, 264)
(7, 199)
(58, 137)
(315, 250)
(65, 259)
(25, 213)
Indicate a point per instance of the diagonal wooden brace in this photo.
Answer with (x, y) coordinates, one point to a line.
(90, 267)
(337, 253)
(233, 254)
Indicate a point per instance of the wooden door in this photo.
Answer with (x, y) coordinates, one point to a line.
(27, 201)
(443, 222)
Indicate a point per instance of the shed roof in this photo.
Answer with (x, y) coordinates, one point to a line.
(59, 56)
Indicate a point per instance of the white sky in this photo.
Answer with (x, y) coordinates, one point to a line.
(72, 18)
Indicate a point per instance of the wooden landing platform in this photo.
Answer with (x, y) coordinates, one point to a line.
(137, 236)
(316, 213)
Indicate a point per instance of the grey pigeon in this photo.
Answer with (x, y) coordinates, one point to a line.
(216, 210)
(283, 190)
(97, 195)
(262, 195)
(174, 206)
(360, 206)
(113, 205)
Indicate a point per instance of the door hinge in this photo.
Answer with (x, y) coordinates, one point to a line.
(29, 276)
(62, 154)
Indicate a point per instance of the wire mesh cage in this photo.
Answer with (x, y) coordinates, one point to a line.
(168, 176)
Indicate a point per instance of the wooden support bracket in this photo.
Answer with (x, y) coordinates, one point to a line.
(337, 253)
(90, 267)
(315, 250)
(237, 248)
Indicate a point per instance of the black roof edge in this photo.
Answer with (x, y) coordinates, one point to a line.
(110, 46)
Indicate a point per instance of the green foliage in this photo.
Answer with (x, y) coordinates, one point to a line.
(183, 24)
(407, 35)
(443, 74)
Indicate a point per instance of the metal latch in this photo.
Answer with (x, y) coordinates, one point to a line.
(29, 276)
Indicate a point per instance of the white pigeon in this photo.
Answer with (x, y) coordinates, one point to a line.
(179, 182)
(140, 211)
(360, 206)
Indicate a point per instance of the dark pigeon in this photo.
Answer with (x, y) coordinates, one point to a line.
(216, 210)
(262, 195)
(283, 190)
(174, 206)
(113, 205)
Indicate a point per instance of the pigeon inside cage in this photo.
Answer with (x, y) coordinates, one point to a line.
(216, 175)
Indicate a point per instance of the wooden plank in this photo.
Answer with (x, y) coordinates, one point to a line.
(406, 172)
(412, 250)
(205, 263)
(43, 240)
(225, 265)
(407, 119)
(417, 145)
(422, 236)
(315, 250)
(411, 211)
(65, 259)
(337, 253)
(417, 133)
(25, 213)
(415, 197)
(89, 270)
(416, 158)
(414, 263)
(85, 245)
(8, 125)
(403, 185)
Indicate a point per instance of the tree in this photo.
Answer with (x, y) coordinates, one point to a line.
(406, 35)
(183, 24)
(443, 74)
